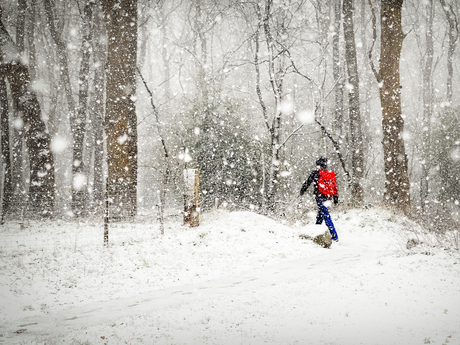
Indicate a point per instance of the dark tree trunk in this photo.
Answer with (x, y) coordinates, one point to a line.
(31, 39)
(20, 25)
(97, 138)
(5, 143)
(121, 121)
(42, 184)
(79, 190)
(353, 103)
(397, 187)
(18, 160)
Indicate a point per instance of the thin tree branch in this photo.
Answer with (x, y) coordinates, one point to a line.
(337, 150)
(374, 39)
(155, 111)
(291, 135)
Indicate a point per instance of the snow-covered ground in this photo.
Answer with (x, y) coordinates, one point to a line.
(238, 278)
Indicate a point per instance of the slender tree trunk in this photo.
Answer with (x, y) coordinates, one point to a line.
(41, 190)
(353, 103)
(427, 88)
(168, 96)
(18, 158)
(201, 55)
(164, 55)
(79, 190)
(5, 144)
(453, 37)
(121, 120)
(20, 26)
(366, 89)
(165, 164)
(397, 187)
(275, 132)
(260, 97)
(63, 61)
(337, 69)
(78, 184)
(31, 39)
(99, 58)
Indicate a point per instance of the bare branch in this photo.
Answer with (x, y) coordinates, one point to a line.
(374, 39)
(291, 135)
(155, 111)
(337, 149)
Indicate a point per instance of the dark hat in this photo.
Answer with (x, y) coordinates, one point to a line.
(322, 162)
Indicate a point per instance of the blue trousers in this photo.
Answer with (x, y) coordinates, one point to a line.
(323, 214)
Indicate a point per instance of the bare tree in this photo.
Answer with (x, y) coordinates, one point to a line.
(276, 82)
(165, 164)
(453, 37)
(397, 187)
(337, 68)
(76, 125)
(427, 98)
(97, 106)
(79, 189)
(30, 29)
(18, 159)
(357, 152)
(336, 134)
(121, 120)
(201, 55)
(41, 189)
(6, 182)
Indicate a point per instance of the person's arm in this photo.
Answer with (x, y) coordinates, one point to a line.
(308, 182)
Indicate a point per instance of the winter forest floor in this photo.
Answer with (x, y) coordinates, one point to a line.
(238, 278)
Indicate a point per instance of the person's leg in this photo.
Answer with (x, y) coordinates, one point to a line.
(328, 221)
(319, 216)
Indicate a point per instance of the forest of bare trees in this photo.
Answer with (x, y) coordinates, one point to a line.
(118, 97)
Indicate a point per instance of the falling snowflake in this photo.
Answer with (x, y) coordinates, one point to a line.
(79, 181)
(59, 144)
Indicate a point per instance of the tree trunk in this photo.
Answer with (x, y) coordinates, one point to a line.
(5, 144)
(397, 187)
(202, 57)
(121, 121)
(79, 190)
(164, 54)
(427, 88)
(78, 183)
(97, 139)
(353, 103)
(31, 39)
(276, 84)
(259, 95)
(20, 25)
(337, 69)
(453, 37)
(18, 159)
(62, 56)
(366, 87)
(41, 190)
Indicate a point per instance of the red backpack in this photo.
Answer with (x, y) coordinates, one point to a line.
(327, 184)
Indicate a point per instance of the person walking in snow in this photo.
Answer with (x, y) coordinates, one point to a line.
(325, 190)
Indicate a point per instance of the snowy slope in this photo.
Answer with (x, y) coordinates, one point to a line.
(238, 278)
